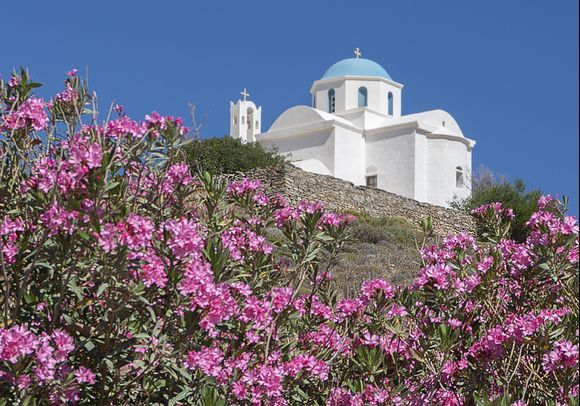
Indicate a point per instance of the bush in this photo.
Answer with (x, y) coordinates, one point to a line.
(513, 195)
(126, 281)
(228, 155)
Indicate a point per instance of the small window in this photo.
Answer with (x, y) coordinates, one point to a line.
(235, 120)
(362, 97)
(372, 181)
(331, 101)
(243, 119)
(257, 124)
(459, 177)
(390, 103)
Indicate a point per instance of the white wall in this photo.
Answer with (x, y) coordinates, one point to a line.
(392, 154)
(311, 151)
(346, 94)
(349, 155)
(421, 192)
(444, 156)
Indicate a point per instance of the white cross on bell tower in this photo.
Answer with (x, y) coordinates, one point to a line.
(245, 118)
(357, 52)
(245, 94)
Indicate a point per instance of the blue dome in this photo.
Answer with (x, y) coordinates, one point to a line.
(356, 67)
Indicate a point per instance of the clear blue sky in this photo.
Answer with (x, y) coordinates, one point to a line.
(506, 70)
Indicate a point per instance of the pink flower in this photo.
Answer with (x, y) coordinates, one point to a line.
(85, 375)
(184, 239)
(285, 215)
(207, 359)
(13, 81)
(30, 114)
(69, 95)
(72, 73)
(57, 220)
(348, 307)
(151, 269)
(177, 175)
(64, 344)
(243, 187)
(564, 355)
(16, 342)
(124, 126)
(371, 287)
(280, 298)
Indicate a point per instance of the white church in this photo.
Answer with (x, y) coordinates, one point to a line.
(355, 131)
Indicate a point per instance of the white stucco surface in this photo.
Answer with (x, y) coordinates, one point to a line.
(416, 155)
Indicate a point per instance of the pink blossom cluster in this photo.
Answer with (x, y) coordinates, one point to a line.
(157, 123)
(514, 328)
(69, 175)
(563, 355)
(243, 242)
(42, 359)
(67, 97)
(495, 209)
(243, 187)
(30, 114)
(177, 175)
(10, 230)
(123, 127)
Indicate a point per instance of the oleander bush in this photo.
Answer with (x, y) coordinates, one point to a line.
(125, 280)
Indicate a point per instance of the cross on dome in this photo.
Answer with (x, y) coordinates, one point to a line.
(245, 93)
(357, 52)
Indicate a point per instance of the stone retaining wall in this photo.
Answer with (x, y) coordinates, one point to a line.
(339, 195)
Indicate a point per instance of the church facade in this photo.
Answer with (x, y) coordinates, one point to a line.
(355, 130)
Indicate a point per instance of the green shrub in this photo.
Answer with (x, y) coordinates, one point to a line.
(513, 195)
(228, 155)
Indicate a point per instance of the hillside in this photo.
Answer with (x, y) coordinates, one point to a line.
(381, 247)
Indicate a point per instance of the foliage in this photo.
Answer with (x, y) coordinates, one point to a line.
(126, 281)
(513, 195)
(228, 155)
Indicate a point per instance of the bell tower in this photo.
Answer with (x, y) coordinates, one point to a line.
(245, 119)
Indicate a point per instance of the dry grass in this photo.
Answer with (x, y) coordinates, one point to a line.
(383, 248)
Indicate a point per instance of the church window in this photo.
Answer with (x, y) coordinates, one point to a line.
(257, 124)
(331, 101)
(390, 103)
(235, 120)
(243, 120)
(372, 181)
(459, 177)
(362, 96)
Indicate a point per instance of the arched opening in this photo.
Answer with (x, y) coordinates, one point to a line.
(331, 101)
(250, 125)
(459, 181)
(390, 104)
(362, 97)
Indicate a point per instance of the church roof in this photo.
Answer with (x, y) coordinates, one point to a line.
(356, 67)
